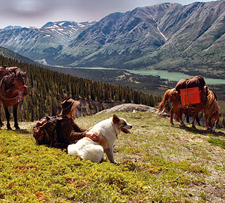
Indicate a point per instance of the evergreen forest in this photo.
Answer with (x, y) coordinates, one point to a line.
(47, 89)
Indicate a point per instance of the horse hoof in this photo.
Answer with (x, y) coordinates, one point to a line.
(8, 127)
(17, 127)
(193, 127)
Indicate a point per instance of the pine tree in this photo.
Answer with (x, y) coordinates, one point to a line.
(47, 88)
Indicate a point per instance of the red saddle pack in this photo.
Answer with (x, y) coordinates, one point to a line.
(190, 96)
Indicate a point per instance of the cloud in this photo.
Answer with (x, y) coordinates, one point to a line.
(38, 12)
(27, 8)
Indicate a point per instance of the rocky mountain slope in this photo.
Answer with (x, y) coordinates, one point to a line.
(166, 36)
(41, 44)
(10, 54)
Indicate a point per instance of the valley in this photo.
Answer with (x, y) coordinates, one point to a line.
(150, 84)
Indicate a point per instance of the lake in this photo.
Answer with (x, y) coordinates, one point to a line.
(174, 76)
(171, 76)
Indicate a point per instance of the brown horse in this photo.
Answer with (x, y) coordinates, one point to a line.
(209, 106)
(171, 95)
(12, 88)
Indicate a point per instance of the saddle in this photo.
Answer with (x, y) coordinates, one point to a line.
(190, 90)
(196, 81)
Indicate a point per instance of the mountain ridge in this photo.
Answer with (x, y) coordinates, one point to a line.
(165, 36)
(14, 56)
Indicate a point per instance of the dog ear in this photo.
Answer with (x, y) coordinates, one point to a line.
(115, 118)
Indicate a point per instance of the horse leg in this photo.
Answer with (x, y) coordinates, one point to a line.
(7, 114)
(207, 122)
(171, 115)
(198, 121)
(176, 110)
(15, 116)
(193, 119)
(1, 123)
(179, 115)
(187, 118)
(186, 113)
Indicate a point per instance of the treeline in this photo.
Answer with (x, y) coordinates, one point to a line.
(47, 88)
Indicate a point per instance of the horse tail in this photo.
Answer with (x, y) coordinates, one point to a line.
(165, 102)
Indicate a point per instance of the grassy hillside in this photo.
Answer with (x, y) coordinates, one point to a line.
(157, 162)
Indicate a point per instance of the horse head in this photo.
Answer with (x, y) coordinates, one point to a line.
(213, 111)
(214, 119)
(20, 80)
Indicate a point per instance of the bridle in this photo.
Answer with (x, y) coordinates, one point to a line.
(21, 86)
(19, 94)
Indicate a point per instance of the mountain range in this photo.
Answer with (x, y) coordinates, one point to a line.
(173, 37)
(41, 44)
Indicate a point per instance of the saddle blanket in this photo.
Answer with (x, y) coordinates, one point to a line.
(196, 81)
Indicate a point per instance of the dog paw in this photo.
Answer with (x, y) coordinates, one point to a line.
(115, 162)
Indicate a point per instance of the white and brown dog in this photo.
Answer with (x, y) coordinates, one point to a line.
(108, 130)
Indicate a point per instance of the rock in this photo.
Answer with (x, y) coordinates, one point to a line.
(132, 108)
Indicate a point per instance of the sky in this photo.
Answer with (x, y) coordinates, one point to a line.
(29, 13)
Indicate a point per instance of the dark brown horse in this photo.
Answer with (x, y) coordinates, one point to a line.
(12, 88)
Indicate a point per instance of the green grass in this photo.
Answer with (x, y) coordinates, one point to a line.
(156, 162)
(217, 142)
